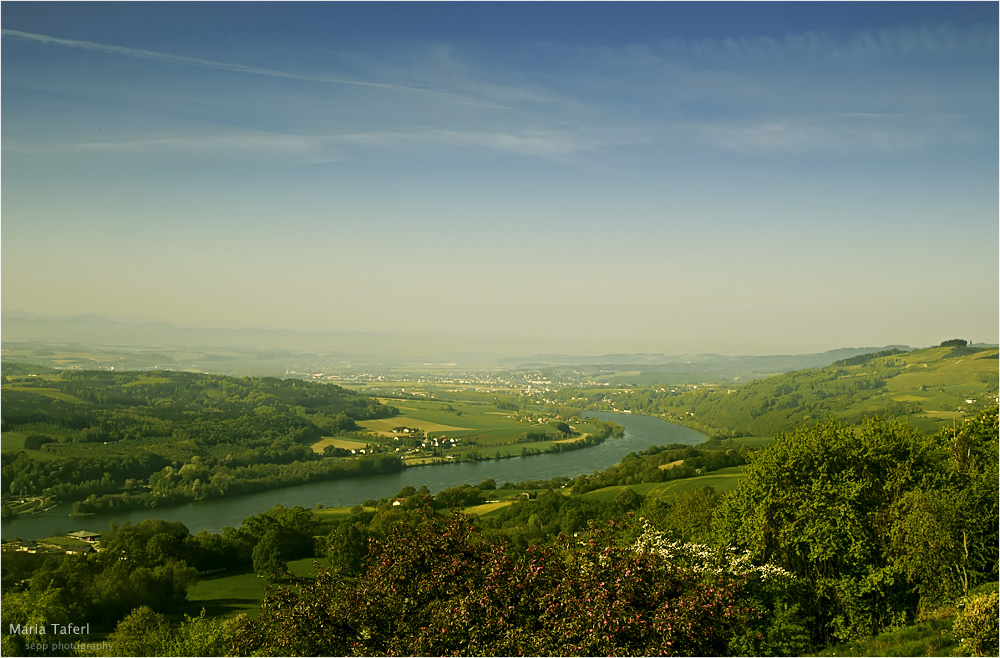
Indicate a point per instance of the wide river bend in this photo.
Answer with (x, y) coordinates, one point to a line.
(212, 515)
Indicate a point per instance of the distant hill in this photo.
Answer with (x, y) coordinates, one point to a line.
(933, 387)
(653, 369)
(95, 341)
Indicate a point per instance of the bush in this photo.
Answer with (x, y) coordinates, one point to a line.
(36, 441)
(444, 589)
(977, 623)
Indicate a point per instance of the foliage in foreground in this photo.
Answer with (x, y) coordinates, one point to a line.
(838, 534)
(878, 523)
(977, 623)
(444, 590)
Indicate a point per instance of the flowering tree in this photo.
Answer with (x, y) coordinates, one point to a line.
(444, 590)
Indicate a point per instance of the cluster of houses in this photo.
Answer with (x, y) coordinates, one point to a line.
(426, 442)
(81, 542)
(444, 443)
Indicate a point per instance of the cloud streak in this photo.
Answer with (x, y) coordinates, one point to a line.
(538, 143)
(845, 132)
(153, 55)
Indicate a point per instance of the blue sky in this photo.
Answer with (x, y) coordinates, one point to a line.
(740, 178)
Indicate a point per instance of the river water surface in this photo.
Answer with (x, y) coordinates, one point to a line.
(212, 515)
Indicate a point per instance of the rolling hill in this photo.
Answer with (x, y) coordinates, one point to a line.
(932, 387)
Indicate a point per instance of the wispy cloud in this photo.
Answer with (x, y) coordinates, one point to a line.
(536, 143)
(809, 92)
(844, 132)
(904, 41)
(239, 68)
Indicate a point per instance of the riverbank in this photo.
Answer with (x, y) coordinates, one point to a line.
(640, 432)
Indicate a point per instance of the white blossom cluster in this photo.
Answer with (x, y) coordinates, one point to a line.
(704, 559)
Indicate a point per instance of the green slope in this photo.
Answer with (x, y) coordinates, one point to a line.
(932, 387)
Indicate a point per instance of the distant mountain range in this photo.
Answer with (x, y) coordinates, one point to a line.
(130, 344)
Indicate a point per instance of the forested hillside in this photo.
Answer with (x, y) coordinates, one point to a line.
(111, 440)
(932, 387)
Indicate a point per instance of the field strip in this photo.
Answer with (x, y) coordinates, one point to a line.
(384, 425)
(573, 439)
(346, 444)
(486, 508)
(684, 484)
(53, 393)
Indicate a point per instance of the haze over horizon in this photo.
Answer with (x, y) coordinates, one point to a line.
(590, 178)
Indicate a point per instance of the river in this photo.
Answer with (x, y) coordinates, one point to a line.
(212, 515)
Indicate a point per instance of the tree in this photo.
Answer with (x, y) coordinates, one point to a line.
(627, 500)
(31, 611)
(267, 558)
(144, 632)
(204, 636)
(690, 516)
(867, 517)
(443, 589)
(348, 547)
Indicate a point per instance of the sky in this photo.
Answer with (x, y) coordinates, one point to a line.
(737, 178)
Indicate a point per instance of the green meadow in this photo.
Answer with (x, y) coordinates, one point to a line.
(722, 480)
(228, 595)
(13, 442)
(478, 426)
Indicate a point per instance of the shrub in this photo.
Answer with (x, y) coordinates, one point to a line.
(442, 589)
(977, 623)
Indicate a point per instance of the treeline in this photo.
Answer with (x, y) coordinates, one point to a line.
(116, 440)
(661, 464)
(174, 486)
(865, 358)
(602, 431)
(143, 569)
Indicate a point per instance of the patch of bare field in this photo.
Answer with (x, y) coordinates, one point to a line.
(347, 444)
(384, 426)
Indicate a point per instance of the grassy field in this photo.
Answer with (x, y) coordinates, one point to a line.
(384, 426)
(339, 442)
(754, 441)
(47, 392)
(330, 514)
(13, 442)
(932, 638)
(228, 595)
(477, 426)
(722, 480)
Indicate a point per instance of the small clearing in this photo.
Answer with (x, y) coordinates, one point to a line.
(347, 444)
(384, 425)
(573, 439)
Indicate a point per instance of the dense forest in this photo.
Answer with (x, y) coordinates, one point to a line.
(110, 440)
